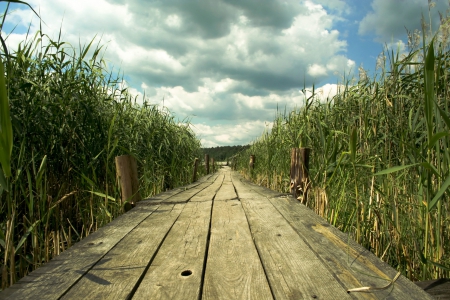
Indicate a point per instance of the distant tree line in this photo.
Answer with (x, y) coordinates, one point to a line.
(223, 153)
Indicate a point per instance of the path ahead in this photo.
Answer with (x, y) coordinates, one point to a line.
(220, 238)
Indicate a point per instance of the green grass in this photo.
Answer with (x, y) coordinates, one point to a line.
(380, 157)
(69, 118)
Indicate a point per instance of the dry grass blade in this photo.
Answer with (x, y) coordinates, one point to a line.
(369, 289)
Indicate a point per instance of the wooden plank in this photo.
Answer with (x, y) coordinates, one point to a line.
(117, 273)
(54, 278)
(438, 288)
(351, 263)
(226, 191)
(209, 193)
(176, 271)
(188, 194)
(233, 269)
(157, 199)
(293, 269)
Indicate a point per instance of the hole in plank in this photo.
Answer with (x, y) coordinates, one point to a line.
(186, 273)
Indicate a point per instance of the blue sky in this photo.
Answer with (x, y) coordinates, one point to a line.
(228, 64)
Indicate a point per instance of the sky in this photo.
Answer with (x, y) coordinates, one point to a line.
(227, 66)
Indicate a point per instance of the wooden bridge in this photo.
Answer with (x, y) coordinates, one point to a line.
(220, 238)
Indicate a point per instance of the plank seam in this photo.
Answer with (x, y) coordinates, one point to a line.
(253, 239)
(324, 263)
(138, 283)
(205, 260)
(94, 264)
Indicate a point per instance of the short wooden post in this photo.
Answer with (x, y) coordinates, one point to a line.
(251, 164)
(299, 173)
(207, 163)
(126, 169)
(213, 166)
(194, 176)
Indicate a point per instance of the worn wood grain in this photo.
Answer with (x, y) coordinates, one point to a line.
(176, 271)
(209, 193)
(438, 288)
(54, 278)
(188, 194)
(353, 265)
(233, 269)
(292, 268)
(157, 199)
(117, 273)
(226, 191)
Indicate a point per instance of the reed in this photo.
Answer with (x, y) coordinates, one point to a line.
(380, 157)
(64, 117)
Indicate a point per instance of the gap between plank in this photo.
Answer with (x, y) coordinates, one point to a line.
(254, 244)
(138, 283)
(94, 264)
(205, 260)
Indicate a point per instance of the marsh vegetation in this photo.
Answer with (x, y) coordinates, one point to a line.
(380, 162)
(68, 117)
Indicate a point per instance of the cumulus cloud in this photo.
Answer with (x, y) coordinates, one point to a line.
(389, 18)
(213, 60)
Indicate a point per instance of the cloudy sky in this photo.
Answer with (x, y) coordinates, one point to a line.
(228, 64)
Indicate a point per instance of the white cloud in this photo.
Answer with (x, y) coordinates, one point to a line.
(317, 70)
(234, 63)
(388, 19)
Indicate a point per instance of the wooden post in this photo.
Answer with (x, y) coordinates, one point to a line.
(207, 163)
(299, 173)
(213, 166)
(126, 168)
(251, 164)
(194, 176)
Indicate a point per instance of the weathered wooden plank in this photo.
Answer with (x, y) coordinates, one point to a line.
(118, 272)
(226, 191)
(157, 199)
(54, 278)
(176, 271)
(188, 194)
(438, 288)
(293, 269)
(209, 193)
(233, 269)
(353, 265)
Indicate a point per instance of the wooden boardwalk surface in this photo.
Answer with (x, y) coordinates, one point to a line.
(219, 238)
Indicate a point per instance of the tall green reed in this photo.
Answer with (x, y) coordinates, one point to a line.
(380, 157)
(71, 117)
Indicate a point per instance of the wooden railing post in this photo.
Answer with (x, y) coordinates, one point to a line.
(299, 173)
(126, 169)
(213, 166)
(207, 163)
(251, 164)
(194, 176)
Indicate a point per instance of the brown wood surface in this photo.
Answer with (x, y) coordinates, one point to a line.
(226, 191)
(292, 268)
(183, 251)
(188, 194)
(117, 273)
(438, 288)
(351, 264)
(157, 199)
(233, 269)
(54, 278)
(255, 243)
(209, 193)
(127, 175)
